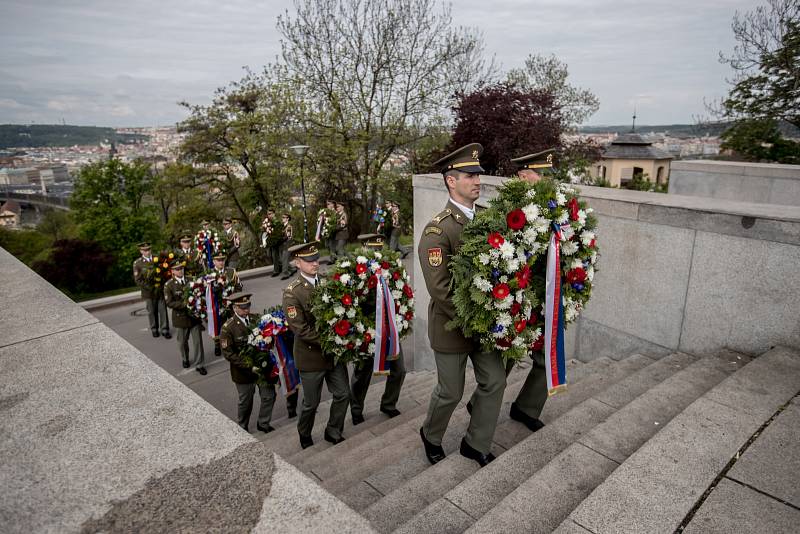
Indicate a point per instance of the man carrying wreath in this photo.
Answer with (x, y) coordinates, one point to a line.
(441, 239)
(185, 325)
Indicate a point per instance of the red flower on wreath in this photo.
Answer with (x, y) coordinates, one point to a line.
(372, 282)
(516, 308)
(501, 291)
(409, 315)
(495, 239)
(520, 325)
(336, 276)
(384, 265)
(347, 300)
(505, 343)
(351, 345)
(576, 276)
(573, 208)
(533, 319)
(538, 344)
(516, 219)
(367, 337)
(592, 243)
(395, 275)
(342, 327)
(408, 291)
(361, 268)
(523, 277)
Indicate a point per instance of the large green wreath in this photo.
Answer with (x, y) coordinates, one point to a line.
(344, 303)
(499, 272)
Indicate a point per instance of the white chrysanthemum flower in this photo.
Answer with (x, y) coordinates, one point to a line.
(504, 319)
(590, 273)
(503, 279)
(541, 225)
(568, 248)
(505, 303)
(351, 313)
(398, 319)
(518, 341)
(410, 302)
(567, 232)
(531, 193)
(332, 322)
(481, 283)
(405, 324)
(519, 296)
(397, 294)
(378, 256)
(361, 259)
(484, 258)
(589, 210)
(531, 211)
(403, 309)
(512, 265)
(586, 238)
(494, 253)
(526, 311)
(374, 266)
(582, 218)
(399, 284)
(593, 258)
(345, 264)
(338, 340)
(507, 250)
(561, 199)
(371, 348)
(576, 263)
(570, 313)
(338, 310)
(563, 218)
(345, 278)
(360, 328)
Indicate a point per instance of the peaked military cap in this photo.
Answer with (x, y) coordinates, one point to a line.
(305, 251)
(539, 160)
(465, 159)
(143, 244)
(371, 240)
(240, 299)
(220, 256)
(227, 220)
(204, 222)
(184, 235)
(177, 264)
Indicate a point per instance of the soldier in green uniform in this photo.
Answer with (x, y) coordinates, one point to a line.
(441, 239)
(185, 324)
(288, 241)
(233, 338)
(232, 242)
(314, 365)
(231, 275)
(154, 300)
(342, 234)
(330, 241)
(188, 255)
(532, 167)
(363, 375)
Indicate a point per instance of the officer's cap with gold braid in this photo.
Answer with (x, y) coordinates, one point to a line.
(143, 244)
(305, 251)
(177, 264)
(465, 159)
(220, 256)
(371, 240)
(539, 160)
(240, 299)
(185, 235)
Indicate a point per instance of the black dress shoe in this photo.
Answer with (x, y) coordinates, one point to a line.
(469, 407)
(357, 419)
(286, 277)
(435, 453)
(167, 335)
(532, 423)
(306, 441)
(468, 452)
(265, 430)
(217, 350)
(202, 371)
(292, 413)
(185, 364)
(391, 412)
(274, 274)
(156, 334)
(331, 439)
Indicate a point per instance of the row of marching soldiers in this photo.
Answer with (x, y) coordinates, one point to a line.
(313, 366)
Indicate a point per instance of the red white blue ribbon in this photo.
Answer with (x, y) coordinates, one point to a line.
(287, 369)
(554, 359)
(209, 253)
(212, 310)
(387, 338)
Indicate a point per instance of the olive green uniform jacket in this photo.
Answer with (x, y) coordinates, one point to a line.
(307, 350)
(232, 339)
(140, 267)
(176, 301)
(441, 239)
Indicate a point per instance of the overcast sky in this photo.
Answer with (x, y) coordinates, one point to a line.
(113, 63)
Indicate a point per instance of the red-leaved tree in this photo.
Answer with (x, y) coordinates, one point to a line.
(508, 122)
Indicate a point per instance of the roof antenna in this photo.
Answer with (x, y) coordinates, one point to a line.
(633, 127)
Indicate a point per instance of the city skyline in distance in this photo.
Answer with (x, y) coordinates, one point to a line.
(97, 63)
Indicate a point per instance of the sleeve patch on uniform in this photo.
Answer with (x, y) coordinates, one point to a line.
(435, 256)
(291, 311)
(223, 343)
(433, 230)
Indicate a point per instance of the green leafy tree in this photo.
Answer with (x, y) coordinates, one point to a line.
(760, 140)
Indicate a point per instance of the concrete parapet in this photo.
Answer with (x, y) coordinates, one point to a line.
(96, 437)
(764, 183)
(675, 273)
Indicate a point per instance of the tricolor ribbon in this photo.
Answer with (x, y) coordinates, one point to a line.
(554, 359)
(209, 254)
(287, 370)
(320, 221)
(212, 310)
(387, 338)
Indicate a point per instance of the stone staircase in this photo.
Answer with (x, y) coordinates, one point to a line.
(636, 445)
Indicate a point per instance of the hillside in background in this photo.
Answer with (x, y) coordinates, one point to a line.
(675, 130)
(43, 135)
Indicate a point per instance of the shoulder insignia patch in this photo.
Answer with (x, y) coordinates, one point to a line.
(435, 256)
(292, 285)
(432, 230)
(443, 215)
(291, 311)
(223, 342)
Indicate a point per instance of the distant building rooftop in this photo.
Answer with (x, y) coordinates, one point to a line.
(633, 146)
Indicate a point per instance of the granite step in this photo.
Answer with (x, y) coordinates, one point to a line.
(284, 440)
(658, 485)
(402, 441)
(394, 476)
(542, 502)
(411, 401)
(566, 415)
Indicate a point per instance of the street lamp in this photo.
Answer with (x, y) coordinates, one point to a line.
(301, 150)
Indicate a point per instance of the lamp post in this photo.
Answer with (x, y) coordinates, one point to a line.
(301, 150)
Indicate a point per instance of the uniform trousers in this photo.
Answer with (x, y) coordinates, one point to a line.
(246, 392)
(363, 376)
(336, 380)
(157, 314)
(486, 401)
(182, 335)
(394, 240)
